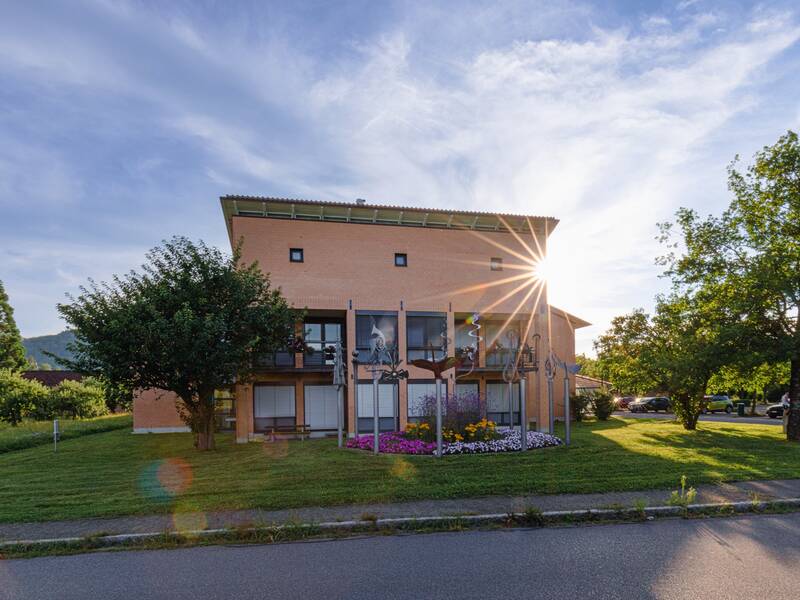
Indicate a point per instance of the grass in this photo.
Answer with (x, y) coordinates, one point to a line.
(117, 473)
(38, 433)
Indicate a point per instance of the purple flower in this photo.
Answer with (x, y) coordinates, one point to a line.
(395, 442)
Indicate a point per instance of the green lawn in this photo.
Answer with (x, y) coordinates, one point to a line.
(118, 473)
(37, 433)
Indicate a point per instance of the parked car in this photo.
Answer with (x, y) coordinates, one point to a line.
(775, 411)
(716, 403)
(623, 401)
(654, 403)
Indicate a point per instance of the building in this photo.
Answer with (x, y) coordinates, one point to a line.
(586, 384)
(51, 378)
(415, 275)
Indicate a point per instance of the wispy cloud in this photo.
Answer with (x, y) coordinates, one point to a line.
(133, 118)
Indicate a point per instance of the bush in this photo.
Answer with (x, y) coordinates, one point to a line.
(19, 396)
(687, 409)
(579, 405)
(78, 399)
(603, 404)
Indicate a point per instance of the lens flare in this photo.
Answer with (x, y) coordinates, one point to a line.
(163, 480)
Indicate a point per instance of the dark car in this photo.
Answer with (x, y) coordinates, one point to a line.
(654, 403)
(775, 411)
(623, 402)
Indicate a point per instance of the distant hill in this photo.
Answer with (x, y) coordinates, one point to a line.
(35, 347)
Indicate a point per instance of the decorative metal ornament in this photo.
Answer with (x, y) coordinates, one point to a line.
(393, 373)
(471, 352)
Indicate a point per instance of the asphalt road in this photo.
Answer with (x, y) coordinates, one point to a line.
(718, 417)
(742, 557)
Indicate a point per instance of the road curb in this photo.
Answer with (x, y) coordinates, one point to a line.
(533, 517)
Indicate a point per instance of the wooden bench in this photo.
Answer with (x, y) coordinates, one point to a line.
(302, 431)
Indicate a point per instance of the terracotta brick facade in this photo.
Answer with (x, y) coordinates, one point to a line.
(348, 268)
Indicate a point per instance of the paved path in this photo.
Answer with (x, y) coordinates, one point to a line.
(729, 492)
(715, 417)
(726, 558)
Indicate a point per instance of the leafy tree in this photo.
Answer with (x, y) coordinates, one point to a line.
(191, 321)
(603, 404)
(686, 346)
(619, 352)
(751, 255)
(589, 366)
(12, 352)
(752, 380)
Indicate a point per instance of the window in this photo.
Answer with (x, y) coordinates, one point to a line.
(371, 325)
(497, 354)
(426, 335)
(296, 254)
(400, 260)
(387, 407)
(224, 409)
(497, 402)
(273, 406)
(496, 264)
(320, 335)
(417, 391)
(467, 387)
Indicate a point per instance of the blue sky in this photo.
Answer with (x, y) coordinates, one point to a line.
(121, 123)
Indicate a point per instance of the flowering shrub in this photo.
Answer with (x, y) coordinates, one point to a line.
(396, 442)
(458, 411)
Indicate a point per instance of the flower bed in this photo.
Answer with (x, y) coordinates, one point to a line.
(509, 442)
(395, 442)
(392, 442)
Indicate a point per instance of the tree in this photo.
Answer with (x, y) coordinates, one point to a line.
(12, 352)
(686, 346)
(619, 352)
(751, 253)
(753, 378)
(589, 366)
(193, 320)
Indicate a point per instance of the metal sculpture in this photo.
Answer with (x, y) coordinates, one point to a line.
(470, 353)
(437, 367)
(569, 369)
(339, 380)
(550, 373)
(527, 361)
(510, 374)
(381, 355)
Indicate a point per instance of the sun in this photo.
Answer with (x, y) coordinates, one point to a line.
(542, 270)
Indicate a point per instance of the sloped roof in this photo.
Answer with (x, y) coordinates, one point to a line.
(379, 214)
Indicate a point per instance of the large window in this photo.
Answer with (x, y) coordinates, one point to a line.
(426, 335)
(464, 341)
(417, 391)
(387, 407)
(371, 325)
(321, 335)
(273, 406)
(466, 387)
(498, 353)
(497, 402)
(321, 404)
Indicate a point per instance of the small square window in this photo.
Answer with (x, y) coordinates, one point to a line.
(496, 264)
(296, 254)
(400, 260)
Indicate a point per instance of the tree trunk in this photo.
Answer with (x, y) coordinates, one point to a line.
(793, 424)
(203, 423)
